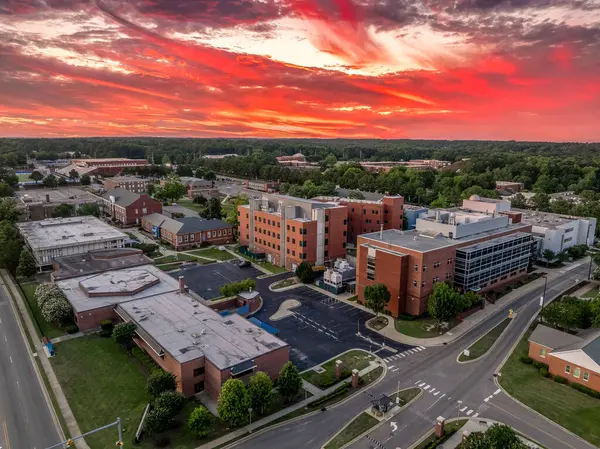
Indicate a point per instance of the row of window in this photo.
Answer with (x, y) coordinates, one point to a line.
(576, 370)
(261, 242)
(435, 264)
(261, 231)
(267, 221)
(433, 280)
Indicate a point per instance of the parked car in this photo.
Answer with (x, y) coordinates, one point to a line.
(244, 263)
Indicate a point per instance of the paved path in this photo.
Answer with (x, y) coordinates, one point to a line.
(26, 419)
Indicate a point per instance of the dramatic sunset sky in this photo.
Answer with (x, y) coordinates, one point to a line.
(438, 69)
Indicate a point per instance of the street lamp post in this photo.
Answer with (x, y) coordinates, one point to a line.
(250, 412)
(543, 296)
(590, 268)
(458, 408)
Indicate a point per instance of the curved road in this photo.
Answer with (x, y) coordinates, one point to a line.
(445, 382)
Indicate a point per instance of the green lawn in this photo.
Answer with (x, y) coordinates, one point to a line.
(358, 426)
(266, 265)
(175, 258)
(405, 396)
(212, 253)
(421, 327)
(24, 177)
(483, 345)
(562, 404)
(450, 429)
(351, 360)
(186, 202)
(46, 328)
(169, 266)
(592, 293)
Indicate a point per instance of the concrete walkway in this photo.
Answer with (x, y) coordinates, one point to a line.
(63, 405)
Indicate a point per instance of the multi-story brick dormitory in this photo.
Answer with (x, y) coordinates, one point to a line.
(128, 208)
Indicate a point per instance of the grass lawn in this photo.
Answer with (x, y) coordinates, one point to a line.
(169, 266)
(405, 396)
(46, 328)
(450, 429)
(101, 382)
(421, 327)
(483, 345)
(212, 253)
(285, 283)
(358, 426)
(351, 360)
(23, 177)
(173, 258)
(562, 404)
(132, 236)
(186, 202)
(266, 265)
(592, 293)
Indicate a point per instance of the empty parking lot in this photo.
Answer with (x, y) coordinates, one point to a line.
(207, 280)
(321, 327)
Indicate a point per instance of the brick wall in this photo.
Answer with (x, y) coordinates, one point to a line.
(92, 318)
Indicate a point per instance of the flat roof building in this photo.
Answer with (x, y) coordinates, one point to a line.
(98, 261)
(132, 183)
(58, 237)
(194, 342)
(188, 232)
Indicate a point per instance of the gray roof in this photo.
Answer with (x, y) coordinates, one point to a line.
(98, 261)
(185, 225)
(592, 349)
(552, 338)
(122, 197)
(370, 196)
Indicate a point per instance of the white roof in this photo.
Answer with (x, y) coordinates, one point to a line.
(579, 358)
(61, 232)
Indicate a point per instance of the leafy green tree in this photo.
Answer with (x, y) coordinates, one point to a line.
(172, 189)
(89, 209)
(213, 210)
(549, 256)
(151, 189)
(500, 436)
(234, 402)
(123, 334)
(45, 292)
(443, 303)
(160, 381)
(36, 176)
(57, 310)
(27, 266)
(73, 174)
(234, 288)
(6, 190)
(476, 440)
(289, 382)
(63, 210)
(11, 243)
(147, 248)
(518, 201)
(85, 180)
(8, 210)
(305, 273)
(377, 297)
(209, 175)
(61, 181)
(595, 311)
(158, 420)
(562, 257)
(200, 421)
(232, 216)
(540, 201)
(200, 200)
(356, 195)
(172, 401)
(260, 388)
(568, 313)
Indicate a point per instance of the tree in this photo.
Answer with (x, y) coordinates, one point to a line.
(234, 402)
(595, 311)
(123, 334)
(518, 201)
(160, 381)
(330, 160)
(151, 189)
(46, 292)
(540, 201)
(57, 310)
(61, 181)
(27, 266)
(63, 210)
(89, 209)
(172, 401)
(356, 195)
(147, 248)
(11, 243)
(232, 216)
(85, 180)
(289, 382)
(157, 420)
(172, 189)
(562, 256)
(6, 190)
(260, 388)
(213, 211)
(377, 297)
(568, 313)
(234, 288)
(549, 256)
(73, 174)
(166, 160)
(200, 421)
(50, 181)
(443, 302)
(305, 273)
(210, 175)
(8, 210)
(200, 200)
(36, 176)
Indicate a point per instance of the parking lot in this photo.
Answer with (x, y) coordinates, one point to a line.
(207, 280)
(321, 327)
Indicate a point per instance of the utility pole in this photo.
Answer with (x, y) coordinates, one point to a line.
(71, 441)
(590, 269)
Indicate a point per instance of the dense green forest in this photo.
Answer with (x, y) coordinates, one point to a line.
(543, 167)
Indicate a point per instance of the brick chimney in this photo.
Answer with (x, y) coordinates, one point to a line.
(339, 367)
(181, 285)
(439, 426)
(355, 378)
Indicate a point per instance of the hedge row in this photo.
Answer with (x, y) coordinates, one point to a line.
(342, 389)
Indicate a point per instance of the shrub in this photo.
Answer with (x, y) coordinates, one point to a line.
(72, 329)
(526, 359)
(342, 389)
(544, 371)
(158, 420)
(171, 401)
(539, 365)
(162, 441)
(160, 381)
(200, 421)
(586, 390)
(106, 333)
(106, 325)
(560, 379)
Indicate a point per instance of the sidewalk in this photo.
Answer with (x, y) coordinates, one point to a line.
(65, 410)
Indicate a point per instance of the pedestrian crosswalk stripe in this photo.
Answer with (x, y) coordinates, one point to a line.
(435, 394)
(469, 412)
(421, 384)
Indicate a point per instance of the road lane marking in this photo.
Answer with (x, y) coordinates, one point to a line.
(10, 359)
(432, 390)
(474, 416)
(417, 381)
(5, 431)
(427, 387)
(442, 395)
(18, 386)
(497, 391)
(469, 412)
(422, 347)
(390, 367)
(395, 370)
(463, 409)
(436, 393)
(421, 384)
(5, 339)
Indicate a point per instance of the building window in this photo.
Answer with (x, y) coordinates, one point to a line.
(198, 372)
(344, 233)
(293, 228)
(288, 250)
(568, 369)
(326, 230)
(326, 217)
(416, 267)
(278, 236)
(192, 237)
(449, 260)
(371, 264)
(326, 241)
(288, 239)
(278, 247)
(586, 376)
(293, 252)
(345, 221)
(424, 268)
(436, 264)
(288, 227)
(269, 244)
(293, 241)
(269, 222)
(422, 284)
(543, 353)
(214, 233)
(199, 387)
(577, 372)
(219, 233)
(414, 283)
(326, 253)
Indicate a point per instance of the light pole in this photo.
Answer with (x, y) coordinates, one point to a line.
(458, 408)
(543, 296)
(398, 394)
(590, 268)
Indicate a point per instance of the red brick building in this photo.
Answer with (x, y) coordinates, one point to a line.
(262, 186)
(104, 166)
(574, 357)
(131, 183)
(188, 232)
(128, 208)
(475, 251)
(292, 230)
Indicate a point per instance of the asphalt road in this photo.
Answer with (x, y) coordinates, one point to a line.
(25, 420)
(445, 383)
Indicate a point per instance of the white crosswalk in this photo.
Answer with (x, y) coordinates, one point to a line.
(402, 355)
(439, 396)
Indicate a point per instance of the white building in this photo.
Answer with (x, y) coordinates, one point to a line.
(57, 237)
(559, 232)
